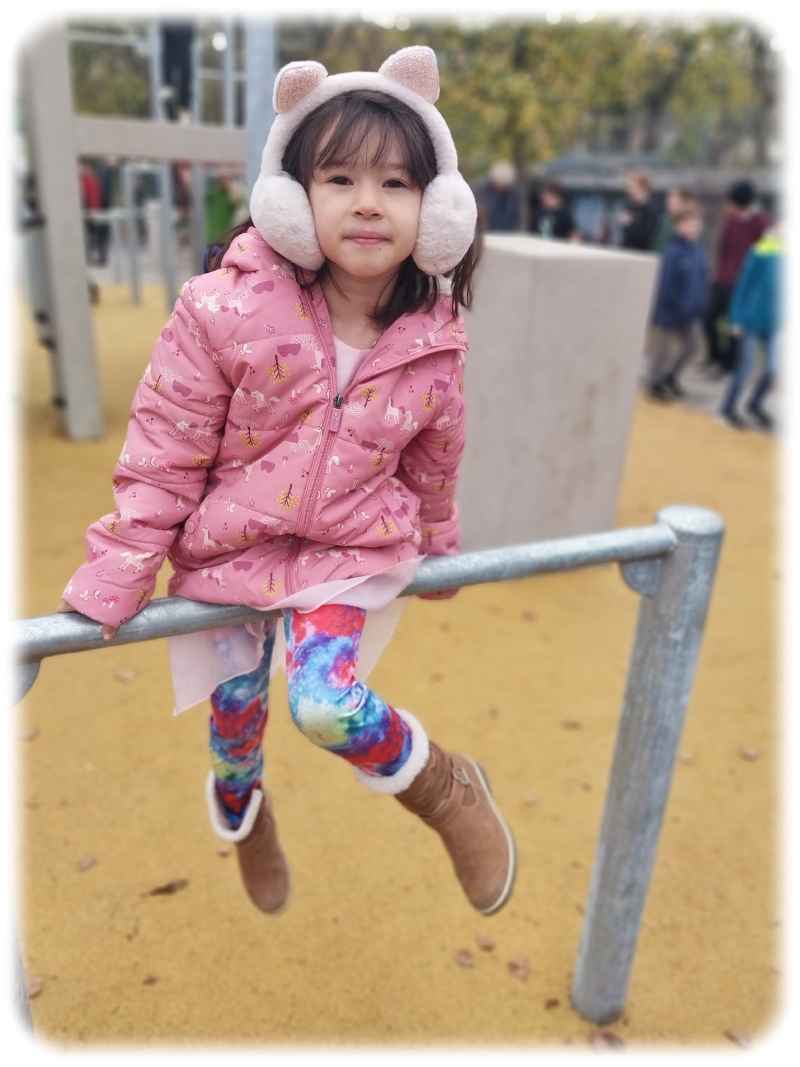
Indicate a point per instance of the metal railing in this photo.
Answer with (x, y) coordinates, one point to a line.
(672, 565)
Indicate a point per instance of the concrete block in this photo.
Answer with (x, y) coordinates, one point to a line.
(557, 334)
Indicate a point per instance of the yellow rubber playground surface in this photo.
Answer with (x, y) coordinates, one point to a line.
(133, 928)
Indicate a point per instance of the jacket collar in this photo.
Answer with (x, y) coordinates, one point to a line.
(407, 338)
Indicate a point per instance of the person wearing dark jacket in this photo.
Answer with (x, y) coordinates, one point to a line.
(742, 227)
(499, 202)
(550, 216)
(681, 299)
(640, 217)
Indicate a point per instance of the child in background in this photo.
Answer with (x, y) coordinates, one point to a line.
(681, 296)
(295, 443)
(755, 315)
(742, 225)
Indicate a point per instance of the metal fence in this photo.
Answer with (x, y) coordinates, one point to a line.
(672, 565)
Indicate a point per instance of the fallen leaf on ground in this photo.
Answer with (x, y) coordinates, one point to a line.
(30, 735)
(464, 958)
(124, 676)
(493, 713)
(35, 986)
(531, 800)
(485, 942)
(742, 1040)
(437, 677)
(686, 757)
(529, 616)
(571, 724)
(749, 754)
(519, 968)
(606, 1039)
(85, 863)
(151, 979)
(553, 1002)
(168, 887)
(223, 852)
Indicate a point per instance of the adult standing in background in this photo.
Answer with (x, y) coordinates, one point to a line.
(639, 216)
(550, 216)
(743, 225)
(499, 201)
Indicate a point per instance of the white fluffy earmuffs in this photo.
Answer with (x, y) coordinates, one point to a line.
(279, 206)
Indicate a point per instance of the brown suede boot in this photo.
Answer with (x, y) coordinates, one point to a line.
(451, 794)
(262, 864)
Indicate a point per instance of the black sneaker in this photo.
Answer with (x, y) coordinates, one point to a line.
(765, 421)
(675, 388)
(659, 392)
(732, 419)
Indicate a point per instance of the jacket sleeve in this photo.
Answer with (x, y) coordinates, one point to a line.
(176, 420)
(429, 466)
(740, 290)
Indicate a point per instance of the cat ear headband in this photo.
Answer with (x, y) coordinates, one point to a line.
(279, 205)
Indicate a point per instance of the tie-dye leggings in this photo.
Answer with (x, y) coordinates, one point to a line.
(327, 703)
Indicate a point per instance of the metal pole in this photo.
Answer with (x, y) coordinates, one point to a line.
(48, 111)
(65, 632)
(668, 636)
(132, 244)
(167, 243)
(198, 171)
(228, 82)
(260, 68)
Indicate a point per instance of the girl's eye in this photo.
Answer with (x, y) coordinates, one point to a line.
(339, 179)
(397, 183)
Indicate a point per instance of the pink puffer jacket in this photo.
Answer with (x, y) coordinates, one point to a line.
(243, 465)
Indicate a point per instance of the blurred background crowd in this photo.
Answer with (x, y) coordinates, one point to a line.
(652, 136)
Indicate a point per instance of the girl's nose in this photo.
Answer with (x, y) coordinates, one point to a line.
(366, 200)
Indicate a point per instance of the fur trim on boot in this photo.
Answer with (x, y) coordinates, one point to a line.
(262, 864)
(452, 796)
(402, 779)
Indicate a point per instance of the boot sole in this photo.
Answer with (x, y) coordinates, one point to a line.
(507, 889)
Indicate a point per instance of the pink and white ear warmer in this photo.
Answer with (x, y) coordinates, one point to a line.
(279, 206)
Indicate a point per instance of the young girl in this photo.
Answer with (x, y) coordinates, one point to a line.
(295, 442)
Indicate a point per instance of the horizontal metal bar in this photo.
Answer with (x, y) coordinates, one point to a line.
(158, 140)
(53, 635)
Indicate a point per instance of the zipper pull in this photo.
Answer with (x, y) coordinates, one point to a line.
(336, 421)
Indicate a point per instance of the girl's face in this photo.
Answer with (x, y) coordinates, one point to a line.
(366, 213)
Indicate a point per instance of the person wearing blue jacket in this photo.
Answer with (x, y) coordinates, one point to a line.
(755, 314)
(680, 304)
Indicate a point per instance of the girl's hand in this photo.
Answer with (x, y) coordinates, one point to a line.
(441, 594)
(107, 631)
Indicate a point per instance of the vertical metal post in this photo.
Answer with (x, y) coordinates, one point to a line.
(260, 68)
(198, 171)
(132, 229)
(668, 636)
(115, 244)
(229, 87)
(47, 89)
(167, 222)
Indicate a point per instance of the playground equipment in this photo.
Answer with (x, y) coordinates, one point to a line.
(671, 565)
(57, 138)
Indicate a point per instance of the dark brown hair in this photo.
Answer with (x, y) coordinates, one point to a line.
(350, 117)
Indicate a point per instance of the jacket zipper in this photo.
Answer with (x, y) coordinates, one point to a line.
(333, 420)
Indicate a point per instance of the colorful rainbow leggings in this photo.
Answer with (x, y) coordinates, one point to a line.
(327, 703)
